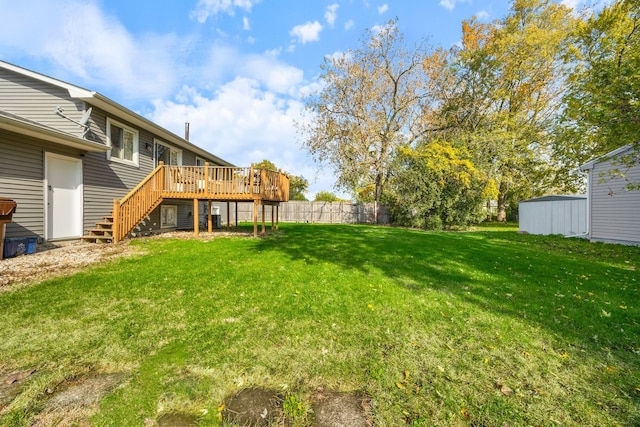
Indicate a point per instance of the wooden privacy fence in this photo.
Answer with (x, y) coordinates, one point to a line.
(318, 212)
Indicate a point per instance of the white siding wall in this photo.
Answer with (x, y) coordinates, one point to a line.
(565, 217)
(615, 211)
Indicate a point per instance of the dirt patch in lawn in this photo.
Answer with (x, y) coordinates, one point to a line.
(339, 409)
(73, 402)
(263, 407)
(10, 385)
(253, 407)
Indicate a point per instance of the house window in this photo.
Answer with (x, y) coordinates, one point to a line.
(199, 161)
(123, 142)
(167, 154)
(168, 216)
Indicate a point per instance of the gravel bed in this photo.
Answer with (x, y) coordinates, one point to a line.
(53, 261)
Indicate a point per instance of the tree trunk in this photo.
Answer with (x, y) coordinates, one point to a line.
(502, 202)
(377, 196)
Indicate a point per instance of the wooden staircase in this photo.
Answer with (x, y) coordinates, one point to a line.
(103, 233)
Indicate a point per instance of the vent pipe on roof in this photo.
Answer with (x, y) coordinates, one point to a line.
(186, 130)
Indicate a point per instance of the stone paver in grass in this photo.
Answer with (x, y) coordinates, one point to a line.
(177, 420)
(339, 409)
(253, 407)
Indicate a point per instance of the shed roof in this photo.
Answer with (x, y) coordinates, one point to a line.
(556, 198)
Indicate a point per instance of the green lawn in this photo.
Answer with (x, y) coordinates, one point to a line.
(486, 327)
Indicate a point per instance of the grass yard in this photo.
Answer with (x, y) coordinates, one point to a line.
(486, 327)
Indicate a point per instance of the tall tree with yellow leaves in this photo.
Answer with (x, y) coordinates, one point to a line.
(509, 80)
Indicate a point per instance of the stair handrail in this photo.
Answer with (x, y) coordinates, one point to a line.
(138, 203)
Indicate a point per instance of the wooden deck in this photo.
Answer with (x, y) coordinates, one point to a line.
(212, 183)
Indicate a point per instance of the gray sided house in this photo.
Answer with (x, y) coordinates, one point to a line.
(66, 153)
(613, 208)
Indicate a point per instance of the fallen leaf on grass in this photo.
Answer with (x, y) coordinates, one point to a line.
(465, 413)
(506, 390)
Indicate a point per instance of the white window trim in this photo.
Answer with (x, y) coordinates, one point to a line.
(136, 143)
(162, 208)
(200, 159)
(170, 147)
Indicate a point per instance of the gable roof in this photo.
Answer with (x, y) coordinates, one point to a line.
(118, 110)
(590, 164)
(24, 126)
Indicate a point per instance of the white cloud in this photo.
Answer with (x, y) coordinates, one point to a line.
(225, 62)
(451, 4)
(206, 8)
(240, 106)
(349, 24)
(483, 15)
(331, 13)
(94, 48)
(308, 32)
(245, 24)
(382, 9)
(243, 124)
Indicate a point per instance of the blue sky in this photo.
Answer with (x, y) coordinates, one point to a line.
(235, 69)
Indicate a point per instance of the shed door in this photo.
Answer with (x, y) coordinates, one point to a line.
(63, 196)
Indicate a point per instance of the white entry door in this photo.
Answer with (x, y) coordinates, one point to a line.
(63, 195)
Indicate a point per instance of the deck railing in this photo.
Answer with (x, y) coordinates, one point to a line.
(229, 183)
(138, 203)
(197, 182)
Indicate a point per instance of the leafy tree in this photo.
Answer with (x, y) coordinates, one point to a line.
(436, 186)
(298, 186)
(372, 100)
(603, 101)
(266, 164)
(503, 93)
(326, 196)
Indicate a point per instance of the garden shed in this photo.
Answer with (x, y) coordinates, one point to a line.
(560, 214)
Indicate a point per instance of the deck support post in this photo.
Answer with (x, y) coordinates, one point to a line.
(278, 216)
(209, 219)
(263, 230)
(236, 215)
(255, 218)
(273, 227)
(228, 215)
(116, 221)
(196, 231)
